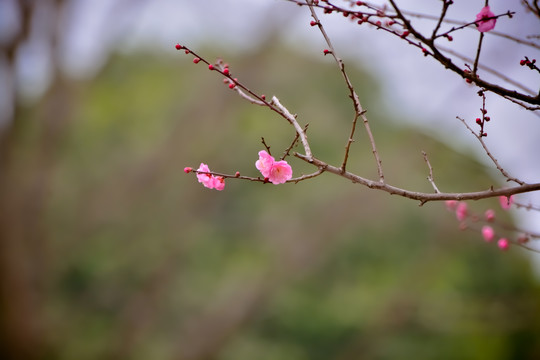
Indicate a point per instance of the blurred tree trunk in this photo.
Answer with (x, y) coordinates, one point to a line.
(25, 169)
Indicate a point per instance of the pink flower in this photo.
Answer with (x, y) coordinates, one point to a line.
(485, 25)
(264, 164)
(451, 204)
(489, 215)
(219, 183)
(506, 202)
(461, 211)
(281, 172)
(503, 244)
(488, 233)
(278, 172)
(208, 180)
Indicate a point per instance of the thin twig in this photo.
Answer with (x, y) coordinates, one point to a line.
(359, 111)
(266, 146)
(430, 176)
(288, 150)
(487, 69)
(308, 176)
(478, 49)
(446, 4)
(527, 206)
(488, 153)
(259, 179)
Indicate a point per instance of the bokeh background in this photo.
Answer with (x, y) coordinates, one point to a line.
(110, 251)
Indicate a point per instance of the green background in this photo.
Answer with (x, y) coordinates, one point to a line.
(134, 259)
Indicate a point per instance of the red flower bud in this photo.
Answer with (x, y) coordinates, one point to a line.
(196, 60)
(178, 47)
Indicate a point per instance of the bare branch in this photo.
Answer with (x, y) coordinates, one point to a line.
(420, 196)
(292, 119)
(488, 153)
(359, 111)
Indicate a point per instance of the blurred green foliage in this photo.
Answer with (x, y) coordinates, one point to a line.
(145, 263)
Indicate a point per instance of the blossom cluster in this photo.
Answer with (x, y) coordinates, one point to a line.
(205, 177)
(488, 233)
(276, 172)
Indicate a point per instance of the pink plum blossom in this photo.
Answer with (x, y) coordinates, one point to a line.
(278, 172)
(461, 211)
(264, 164)
(503, 244)
(208, 180)
(506, 202)
(488, 233)
(451, 204)
(485, 25)
(489, 215)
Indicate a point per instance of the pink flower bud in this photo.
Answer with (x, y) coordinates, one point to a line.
(451, 204)
(503, 244)
(461, 211)
(489, 215)
(187, 170)
(488, 233)
(506, 202)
